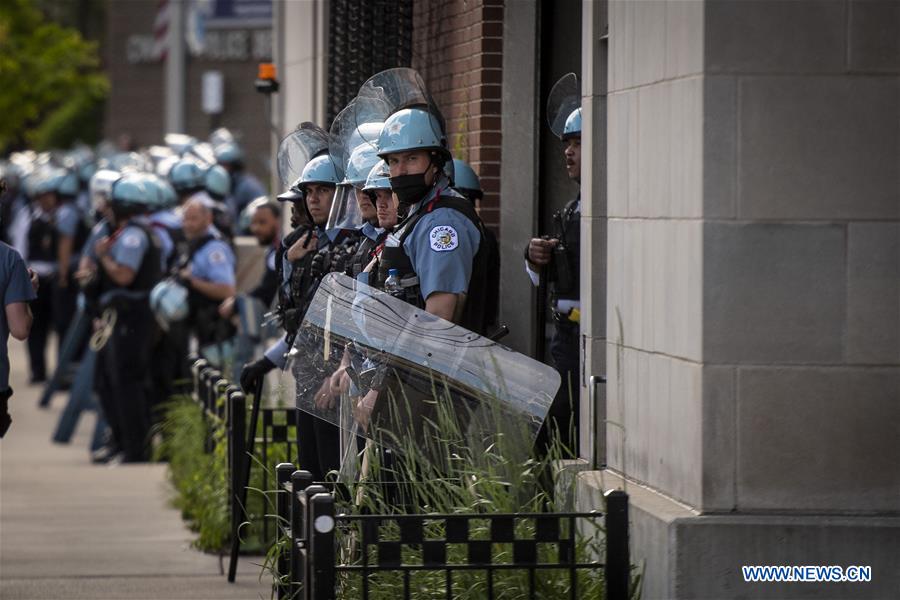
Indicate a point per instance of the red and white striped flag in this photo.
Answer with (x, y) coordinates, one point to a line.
(161, 30)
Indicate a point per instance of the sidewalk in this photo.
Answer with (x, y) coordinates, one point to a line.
(69, 529)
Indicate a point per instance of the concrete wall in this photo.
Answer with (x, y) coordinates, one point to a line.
(753, 300)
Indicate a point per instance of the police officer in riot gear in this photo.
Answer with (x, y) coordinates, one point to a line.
(438, 248)
(301, 264)
(129, 267)
(556, 258)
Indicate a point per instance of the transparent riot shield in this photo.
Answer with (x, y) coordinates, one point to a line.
(396, 89)
(386, 371)
(564, 98)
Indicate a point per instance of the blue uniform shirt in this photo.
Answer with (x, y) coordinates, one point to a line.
(130, 247)
(214, 262)
(370, 231)
(441, 248)
(16, 286)
(67, 217)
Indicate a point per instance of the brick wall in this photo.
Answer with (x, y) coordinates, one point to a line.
(458, 49)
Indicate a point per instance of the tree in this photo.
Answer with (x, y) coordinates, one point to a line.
(51, 86)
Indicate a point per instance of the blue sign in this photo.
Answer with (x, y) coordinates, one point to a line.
(240, 13)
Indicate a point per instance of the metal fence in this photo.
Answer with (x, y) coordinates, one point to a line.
(317, 563)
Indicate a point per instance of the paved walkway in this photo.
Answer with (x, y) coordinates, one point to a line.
(69, 529)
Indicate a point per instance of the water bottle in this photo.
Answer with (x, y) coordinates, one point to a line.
(392, 283)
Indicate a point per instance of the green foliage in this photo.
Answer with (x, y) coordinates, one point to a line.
(199, 478)
(52, 87)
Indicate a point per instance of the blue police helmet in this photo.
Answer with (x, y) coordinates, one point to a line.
(464, 177)
(187, 175)
(68, 184)
(164, 193)
(320, 169)
(572, 127)
(169, 302)
(379, 178)
(228, 153)
(361, 161)
(133, 191)
(292, 194)
(217, 181)
(86, 171)
(411, 129)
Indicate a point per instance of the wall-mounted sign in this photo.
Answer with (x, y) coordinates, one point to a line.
(226, 45)
(213, 100)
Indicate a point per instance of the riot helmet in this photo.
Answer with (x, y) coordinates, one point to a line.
(169, 303)
(466, 181)
(564, 107)
(131, 194)
(187, 176)
(100, 188)
(229, 153)
(217, 182)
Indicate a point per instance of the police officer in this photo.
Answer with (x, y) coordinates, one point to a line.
(467, 183)
(438, 248)
(129, 267)
(244, 186)
(42, 255)
(362, 160)
(557, 259)
(189, 177)
(207, 269)
(302, 252)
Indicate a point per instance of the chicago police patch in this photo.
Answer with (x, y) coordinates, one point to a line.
(443, 238)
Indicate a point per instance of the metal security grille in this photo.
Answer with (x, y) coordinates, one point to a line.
(364, 37)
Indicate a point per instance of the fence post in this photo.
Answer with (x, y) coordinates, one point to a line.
(321, 546)
(618, 562)
(283, 473)
(303, 490)
(237, 426)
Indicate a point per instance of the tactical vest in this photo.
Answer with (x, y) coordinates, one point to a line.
(148, 275)
(473, 317)
(565, 276)
(291, 288)
(204, 311)
(363, 254)
(43, 239)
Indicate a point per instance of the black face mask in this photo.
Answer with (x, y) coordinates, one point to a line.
(409, 188)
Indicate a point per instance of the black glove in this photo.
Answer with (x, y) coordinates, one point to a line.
(5, 419)
(253, 371)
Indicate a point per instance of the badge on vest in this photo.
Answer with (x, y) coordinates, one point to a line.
(132, 240)
(443, 238)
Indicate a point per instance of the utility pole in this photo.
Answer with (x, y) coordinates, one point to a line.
(175, 69)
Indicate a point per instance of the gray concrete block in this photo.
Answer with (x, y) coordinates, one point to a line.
(653, 123)
(873, 293)
(621, 44)
(818, 439)
(771, 36)
(719, 146)
(707, 554)
(874, 35)
(685, 148)
(773, 293)
(719, 439)
(684, 39)
(649, 41)
(622, 123)
(819, 148)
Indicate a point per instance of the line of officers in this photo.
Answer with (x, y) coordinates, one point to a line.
(397, 209)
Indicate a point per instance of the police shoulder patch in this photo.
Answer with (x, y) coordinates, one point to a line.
(217, 257)
(132, 239)
(443, 238)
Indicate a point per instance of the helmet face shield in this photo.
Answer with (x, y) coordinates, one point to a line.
(403, 93)
(345, 212)
(564, 99)
(297, 149)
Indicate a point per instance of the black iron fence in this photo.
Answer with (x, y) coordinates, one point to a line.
(331, 553)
